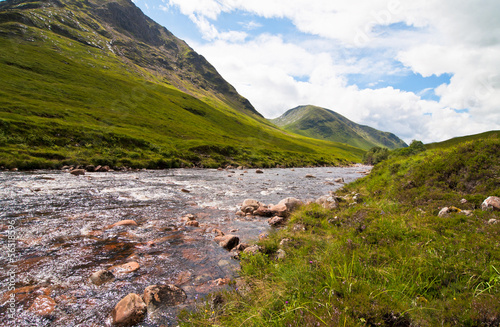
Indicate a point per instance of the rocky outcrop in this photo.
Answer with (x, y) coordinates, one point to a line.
(129, 311)
(491, 203)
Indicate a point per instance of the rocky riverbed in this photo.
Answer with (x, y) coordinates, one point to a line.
(130, 231)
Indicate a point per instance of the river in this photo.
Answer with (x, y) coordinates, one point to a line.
(54, 231)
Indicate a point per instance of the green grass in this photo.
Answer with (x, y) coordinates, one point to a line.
(388, 260)
(65, 98)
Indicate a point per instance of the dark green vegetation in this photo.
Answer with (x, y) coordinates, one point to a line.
(324, 124)
(97, 82)
(387, 259)
(377, 154)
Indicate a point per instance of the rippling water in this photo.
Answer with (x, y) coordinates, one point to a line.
(60, 223)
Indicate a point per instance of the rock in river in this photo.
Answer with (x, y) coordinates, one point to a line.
(77, 172)
(125, 268)
(102, 276)
(129, 311)
(156, 296)
(43, 306)
(227, 241)
(127, 222)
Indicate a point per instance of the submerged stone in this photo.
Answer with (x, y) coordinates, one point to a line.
(129, 311)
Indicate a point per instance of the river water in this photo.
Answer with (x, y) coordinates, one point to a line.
(54, 232)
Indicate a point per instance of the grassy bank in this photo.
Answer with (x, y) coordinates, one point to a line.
(386, 259)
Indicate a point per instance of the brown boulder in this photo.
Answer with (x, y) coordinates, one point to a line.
(129, 311)
(77, 172)
(263, 211)
(254, 249)
(250, 205)
(192, 223)
(279, 210)
(156, 296)
(227, 241)
(125, 268)
(103, 169)
(276, 221)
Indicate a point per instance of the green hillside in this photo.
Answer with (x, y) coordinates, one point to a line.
(384, 256)
(324, 124)
(97, 82)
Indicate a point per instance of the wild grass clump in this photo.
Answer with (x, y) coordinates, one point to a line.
(387, 260)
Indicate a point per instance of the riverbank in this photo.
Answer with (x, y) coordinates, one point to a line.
(417, 247)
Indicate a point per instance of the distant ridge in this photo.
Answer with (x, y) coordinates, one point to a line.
(325, 124)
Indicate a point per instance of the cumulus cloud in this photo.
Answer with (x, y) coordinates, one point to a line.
(373, 38)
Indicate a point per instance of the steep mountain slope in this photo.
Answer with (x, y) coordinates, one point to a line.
(97, 82)
(324, 124)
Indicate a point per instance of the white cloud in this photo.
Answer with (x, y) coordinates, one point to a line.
(461, 38)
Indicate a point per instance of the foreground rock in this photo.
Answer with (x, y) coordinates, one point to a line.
(129, 311)
(156, 296)
(491, 203)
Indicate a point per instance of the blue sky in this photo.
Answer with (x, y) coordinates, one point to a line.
(426, 69)
(423, 69)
